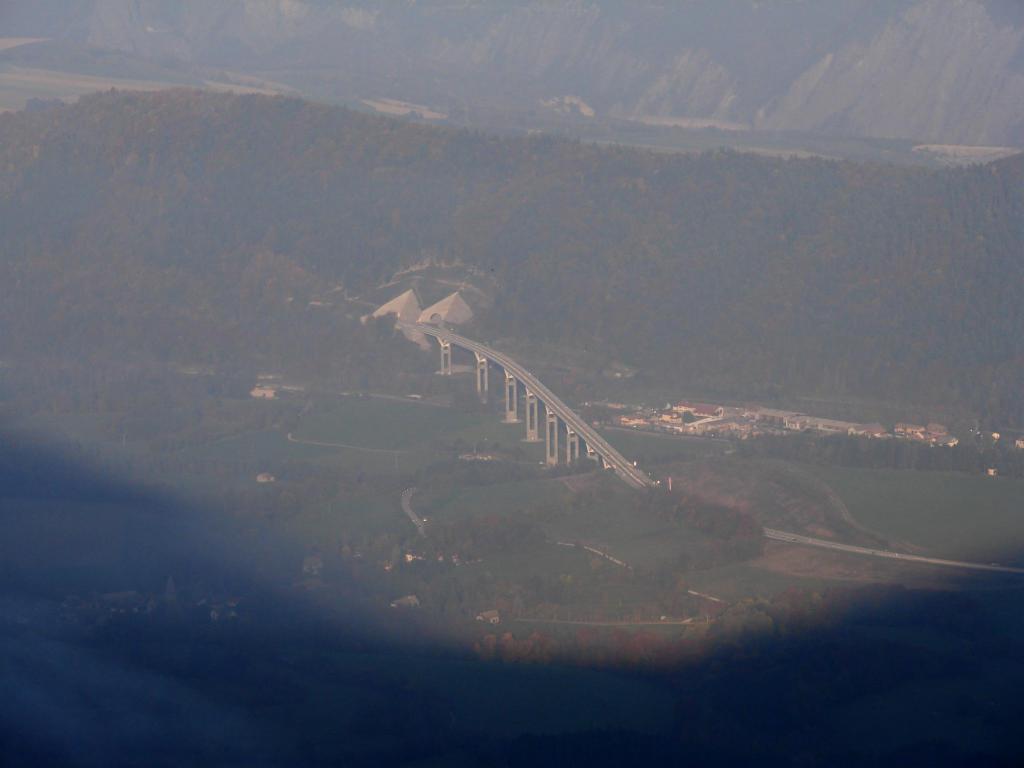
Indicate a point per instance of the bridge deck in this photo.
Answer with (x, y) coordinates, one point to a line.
(623, 468)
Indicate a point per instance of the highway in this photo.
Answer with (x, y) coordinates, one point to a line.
(623, 468)
(795, 538)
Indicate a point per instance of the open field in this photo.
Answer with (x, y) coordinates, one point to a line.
(503, 499)
(602, 515)
(650, 448)
(402, 426)
(266, 448)
(949, 514)
(377, 435)
(366, 513)
(396, 107)
(751, 579)
(387, 425)
(605, 516)
(260, 446)
(18, 84)
(545, 560)
(390, 435)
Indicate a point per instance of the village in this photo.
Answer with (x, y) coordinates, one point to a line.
(708, 420)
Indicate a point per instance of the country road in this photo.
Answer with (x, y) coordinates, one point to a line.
(795, 538)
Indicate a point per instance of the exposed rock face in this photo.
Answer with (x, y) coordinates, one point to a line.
(405, 307)
(452, 309)
(938, 70)
(942, 70)
(704, 89)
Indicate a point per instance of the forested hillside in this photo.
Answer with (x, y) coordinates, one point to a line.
(184, 227)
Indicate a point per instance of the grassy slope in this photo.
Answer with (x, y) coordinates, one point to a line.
(950, 514)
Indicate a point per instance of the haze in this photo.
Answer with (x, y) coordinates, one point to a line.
(465, 383)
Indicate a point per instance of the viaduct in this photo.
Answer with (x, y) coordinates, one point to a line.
(567, 436)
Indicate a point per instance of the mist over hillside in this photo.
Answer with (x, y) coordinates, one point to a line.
(183, 226)
(931, 70)
(749, 493)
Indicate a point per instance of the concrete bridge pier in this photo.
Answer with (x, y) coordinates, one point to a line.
(482, 378)
(572, 445)
(511, 399)
(592, 454)
(446, 357)
(551, 439)
(532, 421)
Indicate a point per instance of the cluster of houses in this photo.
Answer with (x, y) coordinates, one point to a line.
(933, 433)
(748, 421)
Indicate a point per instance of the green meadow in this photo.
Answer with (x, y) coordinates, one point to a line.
(949, 514)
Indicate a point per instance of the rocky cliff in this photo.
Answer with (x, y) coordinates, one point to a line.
(936, 70)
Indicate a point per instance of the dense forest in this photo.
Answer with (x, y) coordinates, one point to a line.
(195, 228)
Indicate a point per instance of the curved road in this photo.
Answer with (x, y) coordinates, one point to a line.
(416, 520)
(796, 538)
(616, 460)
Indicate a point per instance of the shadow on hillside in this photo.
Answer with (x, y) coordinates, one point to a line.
(105, 662)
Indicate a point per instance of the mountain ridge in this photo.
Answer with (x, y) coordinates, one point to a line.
(929, 70)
